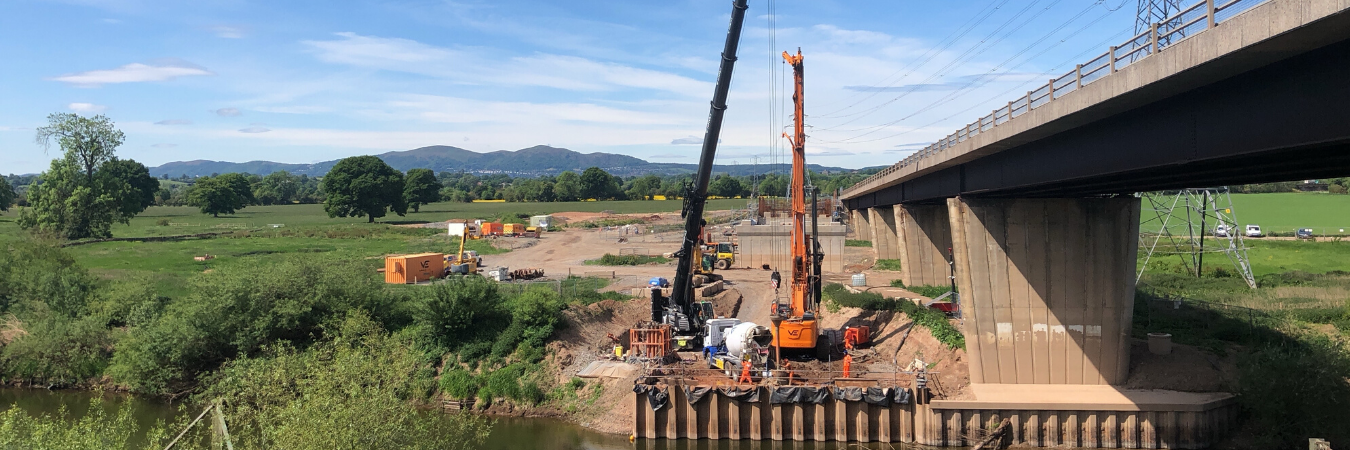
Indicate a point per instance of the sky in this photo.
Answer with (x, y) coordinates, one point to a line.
(309, 81)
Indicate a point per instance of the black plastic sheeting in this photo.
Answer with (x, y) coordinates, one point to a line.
(849, 394)
(878, 396)
(696, 394)
(902, 396)
(799, 394)
(746, 395)
(656, 397)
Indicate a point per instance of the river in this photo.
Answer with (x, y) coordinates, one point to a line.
(508, 433)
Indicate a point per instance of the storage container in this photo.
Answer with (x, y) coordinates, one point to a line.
(407, 269)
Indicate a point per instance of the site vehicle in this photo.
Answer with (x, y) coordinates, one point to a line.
(730, 344)
(724, 254)
(1221, 231)
(1254, 231)
(466, 262)
(707, 263)
(1304, 233)
(680, 311)
(796, 324)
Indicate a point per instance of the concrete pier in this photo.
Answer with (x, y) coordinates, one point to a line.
(1047, 287)
(861, 223)
(884, 238)
(924, 235)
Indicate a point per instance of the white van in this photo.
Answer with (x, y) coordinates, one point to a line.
(1221, 231)
(1253, 231)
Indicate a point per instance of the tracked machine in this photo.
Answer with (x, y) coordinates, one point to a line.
(685, 317)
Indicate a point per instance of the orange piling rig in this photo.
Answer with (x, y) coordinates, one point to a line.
(797, 329)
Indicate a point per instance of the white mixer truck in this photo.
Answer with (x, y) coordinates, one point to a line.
(728, 343)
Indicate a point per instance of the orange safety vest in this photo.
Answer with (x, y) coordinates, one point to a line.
(745, 372)
(848, 365)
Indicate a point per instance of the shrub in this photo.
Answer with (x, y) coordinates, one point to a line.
(462, 310)
(934, 320)
(57, 351)
(857, 243)
(930, 291)
(96, 430)
(162, 222)
(37, 276)
(627, 260)
(459, 384)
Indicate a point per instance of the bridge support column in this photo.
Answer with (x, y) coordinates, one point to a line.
(924, 234)
(861, 222)
(1047, 287)
(883, 232)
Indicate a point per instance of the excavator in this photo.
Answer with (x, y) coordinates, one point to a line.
(681, 312)
(797, 324)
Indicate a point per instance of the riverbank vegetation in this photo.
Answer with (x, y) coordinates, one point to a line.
(626, 260)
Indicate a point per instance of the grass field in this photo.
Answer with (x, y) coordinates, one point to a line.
(306, 230)
(1283, 213)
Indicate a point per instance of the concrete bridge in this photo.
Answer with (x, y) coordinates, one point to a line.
(1035, 199)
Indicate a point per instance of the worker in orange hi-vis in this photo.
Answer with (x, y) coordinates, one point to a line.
(745, 373)
(850, 338)
(848, 364)
(787, 365)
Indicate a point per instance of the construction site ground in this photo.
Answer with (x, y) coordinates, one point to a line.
(896, 342)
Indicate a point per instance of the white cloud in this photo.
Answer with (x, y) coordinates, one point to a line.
(227, 112)
(174, 122)
(255, 129)
(691, 140)
(293, 109)
(228, 32)
(164, 145)
(370, 51)
(134, 73)
(87, 108)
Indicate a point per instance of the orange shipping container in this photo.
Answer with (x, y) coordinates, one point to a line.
(492, 229)
(514, 228)
(404, 269)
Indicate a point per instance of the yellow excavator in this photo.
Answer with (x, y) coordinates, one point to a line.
(465, 262)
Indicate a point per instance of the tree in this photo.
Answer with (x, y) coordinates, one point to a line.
(277, 187)
(74, 199)
(363, 186)
(87, 142)
(599, 185)
(242, 187)
(216, 196)
(7, 195)
(725, 186)
(568, 187)
(420, 187)
(644, 187)
(140, 189)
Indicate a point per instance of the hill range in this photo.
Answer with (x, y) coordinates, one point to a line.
(534, 161)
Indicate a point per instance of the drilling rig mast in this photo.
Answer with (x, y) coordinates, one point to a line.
(795, 325)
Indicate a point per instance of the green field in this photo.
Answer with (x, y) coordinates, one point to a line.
(1284, 213)
(250, 239)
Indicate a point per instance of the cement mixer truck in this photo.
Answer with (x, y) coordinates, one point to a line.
(727, 343)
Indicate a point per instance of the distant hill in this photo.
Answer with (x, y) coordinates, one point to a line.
(533, 161)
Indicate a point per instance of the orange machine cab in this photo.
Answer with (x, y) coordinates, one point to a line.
(796, 334)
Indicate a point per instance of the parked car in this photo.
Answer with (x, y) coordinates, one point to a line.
(1254, 231)
(1221, 231)
(1304, 233)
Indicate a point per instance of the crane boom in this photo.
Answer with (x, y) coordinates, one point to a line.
(682, 292)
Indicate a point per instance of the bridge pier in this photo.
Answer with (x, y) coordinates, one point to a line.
(862, 224)
(1047, 287)
(923, 234)
(883, 232)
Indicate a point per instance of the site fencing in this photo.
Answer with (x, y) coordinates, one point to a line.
(1190, 20)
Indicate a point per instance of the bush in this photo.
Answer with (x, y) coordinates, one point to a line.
(462, 310)
(887, 264)
(162, 222)
(626, 260)
(239, 309)
(934, 320)
(36, 277)
(930, 291)
(57, 351)
(1295, 390)
(459, 384)
(97, 430)
(857, 243)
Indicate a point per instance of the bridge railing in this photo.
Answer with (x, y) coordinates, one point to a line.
(1200, 16)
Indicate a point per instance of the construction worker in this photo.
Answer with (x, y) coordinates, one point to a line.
(745, 373)
(848, 364)
(787, 365)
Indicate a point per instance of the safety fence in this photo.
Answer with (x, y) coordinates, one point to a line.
(1190, 20)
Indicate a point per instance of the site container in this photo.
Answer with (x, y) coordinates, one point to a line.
(405, 269)
(512, 229)
(543, 221)
(492, 229)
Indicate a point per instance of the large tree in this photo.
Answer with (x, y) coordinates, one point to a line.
(599, 185)
(140, 189)
(6, 194)
(277, 188)
(85, 191)
(363, 186)
(420, 187)
(216, 196)
(568, 187)
(725, 186)
(644, 187)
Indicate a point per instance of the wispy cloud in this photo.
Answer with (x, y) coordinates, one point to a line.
(691, 140)
(228, 32)
(87, 108)
(955, 84)
(293, 109)
(255, 129)
(174, 122)
(134, 73)
(228, 112)
(164, 145)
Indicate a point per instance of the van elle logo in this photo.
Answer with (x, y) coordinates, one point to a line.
(426, 264)
(794, 333)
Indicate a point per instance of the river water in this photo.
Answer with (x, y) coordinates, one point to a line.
(508, 433)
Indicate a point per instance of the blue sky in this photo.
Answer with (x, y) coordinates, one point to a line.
(308, 81)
